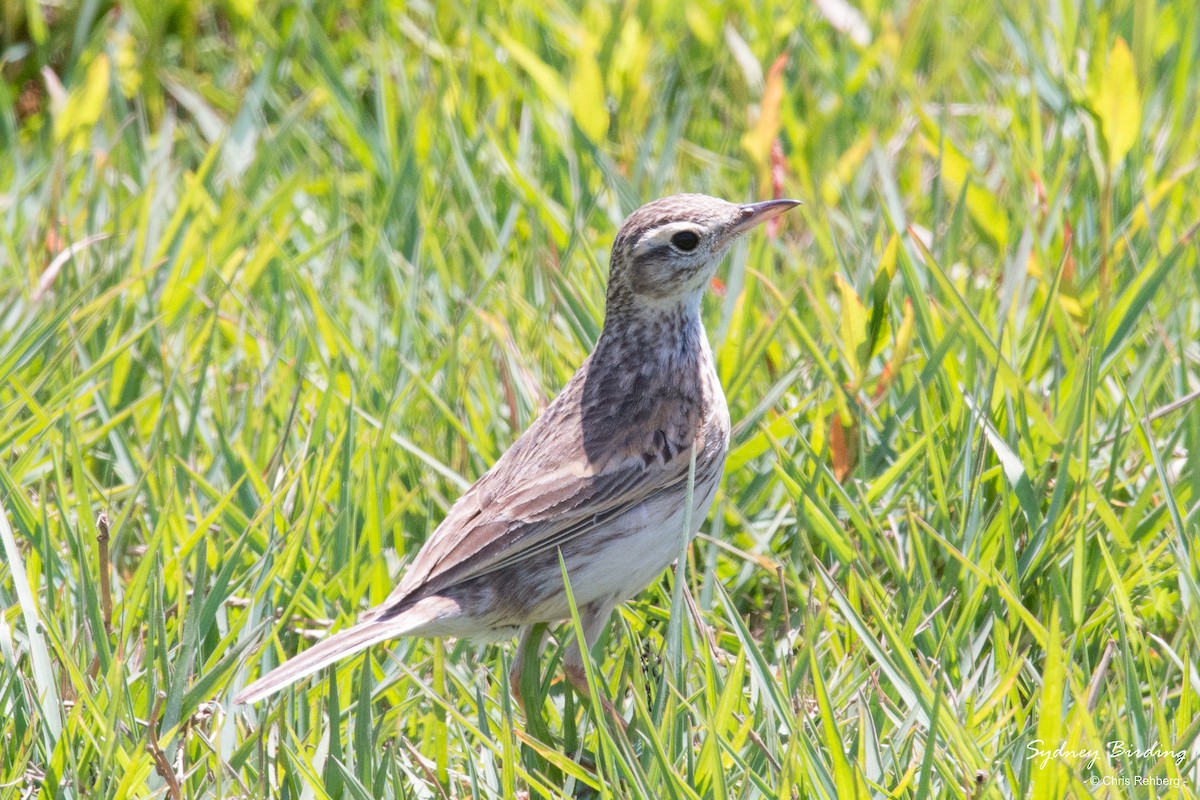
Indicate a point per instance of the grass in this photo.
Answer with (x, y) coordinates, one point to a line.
(278, 282)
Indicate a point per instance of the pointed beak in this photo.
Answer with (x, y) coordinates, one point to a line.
(754, 214)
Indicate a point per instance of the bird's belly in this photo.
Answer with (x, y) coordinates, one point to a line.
(621, 558)
(606, 565)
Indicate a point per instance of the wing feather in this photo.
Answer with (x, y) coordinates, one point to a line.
(543, 514)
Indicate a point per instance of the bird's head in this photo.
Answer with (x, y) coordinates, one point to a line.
(668, 250)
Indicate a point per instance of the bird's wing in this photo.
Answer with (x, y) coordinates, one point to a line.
(544, 492)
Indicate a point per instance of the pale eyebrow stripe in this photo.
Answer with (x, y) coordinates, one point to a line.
(660, 236)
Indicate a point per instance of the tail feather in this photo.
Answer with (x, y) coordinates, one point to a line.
(325, 652)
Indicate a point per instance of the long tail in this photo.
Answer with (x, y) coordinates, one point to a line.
(335, 648)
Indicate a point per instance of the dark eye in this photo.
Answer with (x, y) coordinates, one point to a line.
(685, 241)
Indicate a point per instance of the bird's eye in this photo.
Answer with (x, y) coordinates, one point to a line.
(687, 241)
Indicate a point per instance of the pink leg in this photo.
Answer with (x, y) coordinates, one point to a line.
(593, 618)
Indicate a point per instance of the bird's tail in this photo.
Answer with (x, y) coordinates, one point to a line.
(335, 648)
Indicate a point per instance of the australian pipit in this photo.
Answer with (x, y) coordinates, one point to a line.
(600, 478)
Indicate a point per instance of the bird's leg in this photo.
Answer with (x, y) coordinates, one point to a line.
(593, 617)
(529, 649)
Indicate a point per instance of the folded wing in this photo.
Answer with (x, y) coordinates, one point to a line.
(539, 496)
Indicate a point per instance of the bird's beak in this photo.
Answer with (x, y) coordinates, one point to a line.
(753, 214)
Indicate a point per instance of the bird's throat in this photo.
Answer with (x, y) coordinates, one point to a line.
(669, 334)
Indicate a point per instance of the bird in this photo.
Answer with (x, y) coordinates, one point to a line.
(599, 480)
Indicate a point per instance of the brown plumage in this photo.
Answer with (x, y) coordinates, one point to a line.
(600, 478)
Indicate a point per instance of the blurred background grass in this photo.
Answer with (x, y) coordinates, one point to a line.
(278, 281)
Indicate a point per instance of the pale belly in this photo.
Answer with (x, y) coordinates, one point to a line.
(607, 565)
(615, 563)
